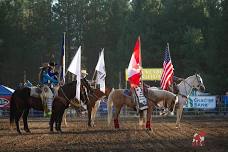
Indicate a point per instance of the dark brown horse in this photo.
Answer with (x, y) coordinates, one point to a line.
(21, 102)
(66, 94)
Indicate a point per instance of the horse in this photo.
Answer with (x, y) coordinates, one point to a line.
(66, 94)
(20, 103)
(185, 88)
(155, 97)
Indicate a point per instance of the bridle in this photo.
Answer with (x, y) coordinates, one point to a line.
(191, 86)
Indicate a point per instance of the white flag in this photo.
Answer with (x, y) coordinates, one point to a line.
(101, 74)
(75, 68)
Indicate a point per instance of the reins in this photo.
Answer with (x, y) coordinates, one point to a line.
(186, 91)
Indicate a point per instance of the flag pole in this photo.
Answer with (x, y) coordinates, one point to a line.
(140, 61)
(62, 67)
(169, 51)
(64, 57)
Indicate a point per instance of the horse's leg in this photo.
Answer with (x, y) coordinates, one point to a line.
(60, 120)
(89, 108)
(149, 112)
(65, 118)
(94, 112)
(25, 120)
(17, 119)
(116, 121)
(57, 121)
(179, 115)
(142, 118)
(52, 119)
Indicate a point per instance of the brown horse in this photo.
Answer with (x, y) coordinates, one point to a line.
(95, 105)
(66, 94)
(155, 97)
(21, 102)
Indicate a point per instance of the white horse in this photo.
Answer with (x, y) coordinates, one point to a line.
(185, 88)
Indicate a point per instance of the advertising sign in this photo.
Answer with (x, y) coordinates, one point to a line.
(149, 74)
(202, 102)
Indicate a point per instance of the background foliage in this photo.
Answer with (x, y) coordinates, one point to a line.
(31, 31)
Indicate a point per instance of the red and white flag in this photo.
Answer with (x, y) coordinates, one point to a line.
(134, 68)
(167, 74)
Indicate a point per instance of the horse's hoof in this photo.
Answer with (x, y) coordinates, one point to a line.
(117, 128)
(27, 131)
(51, 132)
(59, 132)
(92, 125)
(148, 129)
(19, 132)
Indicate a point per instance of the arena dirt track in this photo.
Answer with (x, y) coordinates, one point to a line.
(78, 137)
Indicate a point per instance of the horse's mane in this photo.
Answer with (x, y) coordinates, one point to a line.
(160, 90)
(72, 83)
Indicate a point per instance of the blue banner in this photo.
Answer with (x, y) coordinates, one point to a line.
(202, 102)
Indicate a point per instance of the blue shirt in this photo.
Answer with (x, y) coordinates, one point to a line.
(47, 79)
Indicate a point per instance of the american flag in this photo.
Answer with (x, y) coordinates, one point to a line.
(167, 74)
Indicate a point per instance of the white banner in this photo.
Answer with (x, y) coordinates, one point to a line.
(202, 102)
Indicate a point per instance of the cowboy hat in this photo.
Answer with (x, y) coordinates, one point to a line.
(84, 72)
(52, 64)
(44, 65)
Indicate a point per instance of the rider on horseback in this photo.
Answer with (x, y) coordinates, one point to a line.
(86, 88)
(48, 77)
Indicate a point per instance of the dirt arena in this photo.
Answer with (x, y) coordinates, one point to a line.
(78, 137)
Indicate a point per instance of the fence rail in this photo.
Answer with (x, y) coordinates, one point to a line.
(221, 109)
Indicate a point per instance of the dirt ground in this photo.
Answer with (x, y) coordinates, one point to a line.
(78, 137)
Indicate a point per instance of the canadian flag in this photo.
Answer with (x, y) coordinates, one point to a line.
(134, 68)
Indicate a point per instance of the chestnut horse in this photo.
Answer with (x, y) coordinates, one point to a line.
(155, 97)
(67, 93)
(95, 106)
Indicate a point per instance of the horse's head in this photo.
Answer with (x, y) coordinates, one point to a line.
(108, 91)
(97, 92)
(198, 83)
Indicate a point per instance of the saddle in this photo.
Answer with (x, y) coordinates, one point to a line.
(42, 93)
(35, 92)
(127, 92)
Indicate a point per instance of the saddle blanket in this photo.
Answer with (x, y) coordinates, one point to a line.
(127, 92)
(141, 98)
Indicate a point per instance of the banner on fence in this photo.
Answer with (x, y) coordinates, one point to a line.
(202, 102)
(149, 74)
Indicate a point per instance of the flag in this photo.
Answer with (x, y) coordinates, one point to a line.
(75, 68)
(167, 74)
(62, 60)
(101, 74)
(134, 68)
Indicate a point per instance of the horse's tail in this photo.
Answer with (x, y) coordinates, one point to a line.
(109, 107)
(12, 108)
